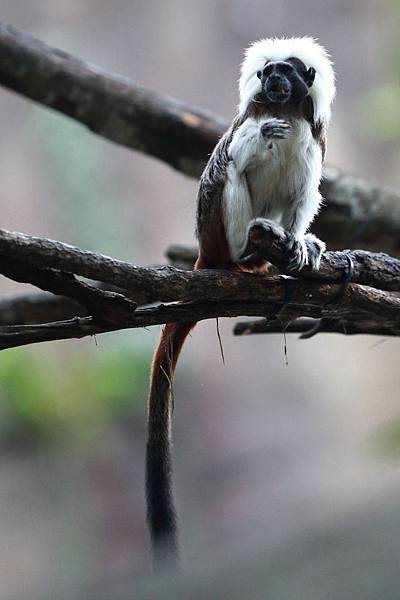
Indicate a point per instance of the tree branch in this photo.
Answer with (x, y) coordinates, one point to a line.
(35, 308)
(311, 299)
(309, 327)
(109, 105)
(169, 284)
(207, 294)
(101, 304)
(378, 270)
(357, 213)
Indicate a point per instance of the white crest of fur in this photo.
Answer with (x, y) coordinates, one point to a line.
(308, 51)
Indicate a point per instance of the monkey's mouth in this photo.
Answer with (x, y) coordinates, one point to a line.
(278, 94)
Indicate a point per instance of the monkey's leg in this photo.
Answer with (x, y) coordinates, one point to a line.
(302, 248)
(237, 211)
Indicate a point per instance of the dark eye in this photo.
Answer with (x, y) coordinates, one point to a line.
(268, 70)
(286, 68)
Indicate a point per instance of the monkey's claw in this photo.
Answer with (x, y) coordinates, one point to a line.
(275, 129)
(315, 249)
(296, 253)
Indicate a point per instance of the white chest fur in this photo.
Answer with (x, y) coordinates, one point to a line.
(277, 179)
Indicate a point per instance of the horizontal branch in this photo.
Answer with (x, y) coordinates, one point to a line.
(369, 268)
(309, 327)
(356, 213)
(168, 284)
(140, 281)
(310, 299)
(209, 293)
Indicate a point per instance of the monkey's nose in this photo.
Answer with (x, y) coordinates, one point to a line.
(275, 83)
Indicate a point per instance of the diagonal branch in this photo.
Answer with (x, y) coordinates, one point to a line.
(101, 304)
(357, 213)
(108, 104)
(35, 308)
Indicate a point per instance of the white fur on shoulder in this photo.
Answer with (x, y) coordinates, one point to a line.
(308, 51)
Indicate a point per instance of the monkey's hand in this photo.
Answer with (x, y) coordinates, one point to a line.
(296, 252)
(315, 248)
(276, 129)
(304, 251)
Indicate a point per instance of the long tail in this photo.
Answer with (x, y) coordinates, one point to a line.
(161, 514)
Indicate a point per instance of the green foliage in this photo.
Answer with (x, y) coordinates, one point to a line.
(386, 440)
(380, 111)
(52, 393)
(86, 193)
(45, 398)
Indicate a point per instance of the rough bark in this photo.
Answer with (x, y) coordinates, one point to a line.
(102, 304)
(168, 284)
(311, 299)
(35, 308)
(109, 105)
(205, 294)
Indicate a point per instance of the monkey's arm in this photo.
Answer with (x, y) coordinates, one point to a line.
(254, 140)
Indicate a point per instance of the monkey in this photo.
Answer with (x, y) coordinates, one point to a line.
(266, 166)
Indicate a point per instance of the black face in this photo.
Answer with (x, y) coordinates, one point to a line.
(286, 81)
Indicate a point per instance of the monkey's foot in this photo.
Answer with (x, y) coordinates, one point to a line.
(275, 129)
(315, 249)
(296, 253)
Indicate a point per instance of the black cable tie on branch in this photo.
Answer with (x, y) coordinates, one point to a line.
(287, 298)
(325, 322)
(347, 277)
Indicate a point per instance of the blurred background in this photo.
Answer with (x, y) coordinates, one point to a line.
(287, 475)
